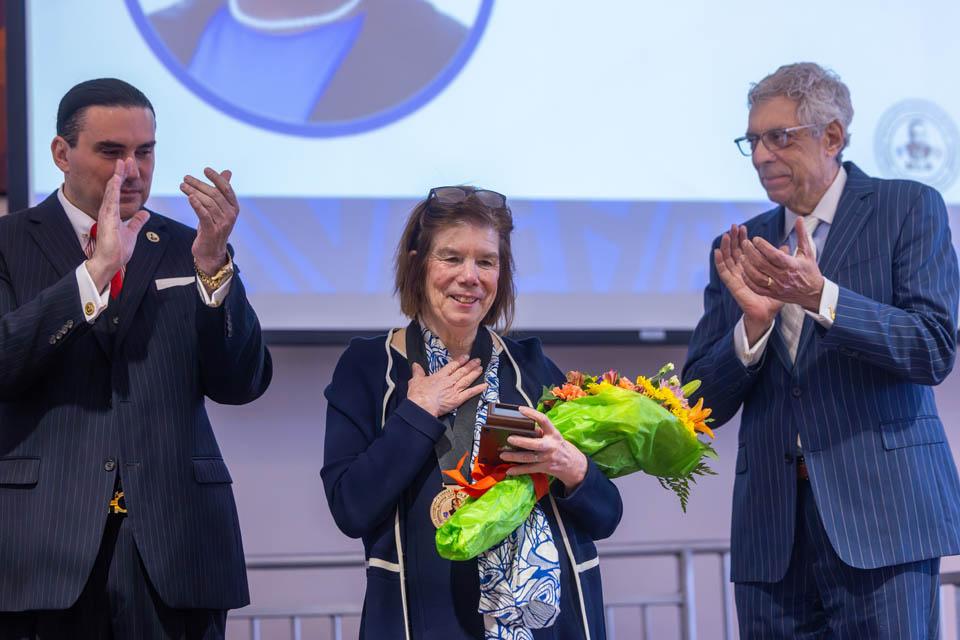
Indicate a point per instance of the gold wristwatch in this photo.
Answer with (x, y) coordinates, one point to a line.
(216, 280)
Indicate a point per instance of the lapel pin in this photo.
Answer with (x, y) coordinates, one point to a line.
(152, 237)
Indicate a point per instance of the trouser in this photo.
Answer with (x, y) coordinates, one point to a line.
(118, 602)
(822, 597)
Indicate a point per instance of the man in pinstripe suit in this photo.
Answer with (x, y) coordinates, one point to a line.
(828, 320)
(117, 515)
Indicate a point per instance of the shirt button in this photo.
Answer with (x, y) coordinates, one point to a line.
(109, 464)
(796, 392)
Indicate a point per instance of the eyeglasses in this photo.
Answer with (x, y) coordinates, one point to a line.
(773, 139)
(453, 195)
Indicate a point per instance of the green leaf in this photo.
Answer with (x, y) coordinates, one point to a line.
(546, 395)
(681, 486)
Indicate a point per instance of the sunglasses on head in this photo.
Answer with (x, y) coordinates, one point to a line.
(453, 195)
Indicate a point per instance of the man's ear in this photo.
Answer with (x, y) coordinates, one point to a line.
(58, 149)
(833, 136)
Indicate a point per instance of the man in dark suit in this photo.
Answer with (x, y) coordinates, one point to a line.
(846, 493)
(117, 515)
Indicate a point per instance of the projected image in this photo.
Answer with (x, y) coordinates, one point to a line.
(917, 140)
(313, 67)
(609, 128)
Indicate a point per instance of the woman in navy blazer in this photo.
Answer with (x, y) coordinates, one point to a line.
(386, 417)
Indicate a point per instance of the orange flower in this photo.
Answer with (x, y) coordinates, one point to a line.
(575, 378)
(698, 416)
(626, 384)
(569, 392)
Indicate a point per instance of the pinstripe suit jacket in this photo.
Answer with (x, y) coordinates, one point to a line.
(859, 394)
(80, 403)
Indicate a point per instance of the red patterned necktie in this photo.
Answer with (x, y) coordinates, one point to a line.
(116, 283)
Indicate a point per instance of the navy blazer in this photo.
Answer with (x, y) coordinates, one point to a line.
(859, 395)
(81, 403)
(380, 473)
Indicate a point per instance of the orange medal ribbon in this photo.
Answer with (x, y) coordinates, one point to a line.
(485, 476)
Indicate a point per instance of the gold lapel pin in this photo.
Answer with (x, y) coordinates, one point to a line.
(152, 237)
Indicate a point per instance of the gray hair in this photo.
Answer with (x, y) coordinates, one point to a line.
(820, 95)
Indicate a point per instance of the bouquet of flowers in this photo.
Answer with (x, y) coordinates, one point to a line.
(624, 426)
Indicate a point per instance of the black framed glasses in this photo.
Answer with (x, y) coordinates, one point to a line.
(453, 195)
(773, 139)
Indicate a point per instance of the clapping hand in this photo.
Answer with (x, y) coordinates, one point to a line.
(780, 276)
(217, 209)
(115, 241)
(759, 308)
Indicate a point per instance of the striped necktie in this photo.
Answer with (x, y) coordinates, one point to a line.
(791, 315)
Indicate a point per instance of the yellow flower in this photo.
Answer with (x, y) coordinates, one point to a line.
(694, 419)
(597, 387)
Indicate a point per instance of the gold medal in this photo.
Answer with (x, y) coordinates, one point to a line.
(444, 504)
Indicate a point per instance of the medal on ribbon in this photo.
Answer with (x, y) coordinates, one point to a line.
(444, 505)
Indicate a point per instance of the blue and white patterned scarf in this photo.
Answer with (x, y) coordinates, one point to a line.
(520, 577)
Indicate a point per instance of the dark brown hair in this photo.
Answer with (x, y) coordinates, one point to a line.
(428, 218)
(102, 92)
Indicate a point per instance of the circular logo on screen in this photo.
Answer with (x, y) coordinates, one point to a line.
(917, 140)
(313, 67)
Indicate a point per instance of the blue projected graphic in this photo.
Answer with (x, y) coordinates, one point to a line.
(609, 128)
(367, 65)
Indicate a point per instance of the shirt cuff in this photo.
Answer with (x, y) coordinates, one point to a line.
(217, 297)
(748, 355)
(828, 305)
(92, 301)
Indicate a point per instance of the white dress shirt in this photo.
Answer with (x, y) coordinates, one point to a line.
(82, 223)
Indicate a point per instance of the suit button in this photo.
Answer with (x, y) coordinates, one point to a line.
(89, 308)
(788, 458)
(796, 392)
(53, 340)
(109, 464)
(115, 319)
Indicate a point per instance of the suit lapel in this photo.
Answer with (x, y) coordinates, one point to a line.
(771, 230)
(54, 235)
(853, 211)
(140, 272)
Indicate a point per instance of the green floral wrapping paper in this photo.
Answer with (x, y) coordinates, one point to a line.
(623, 428)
